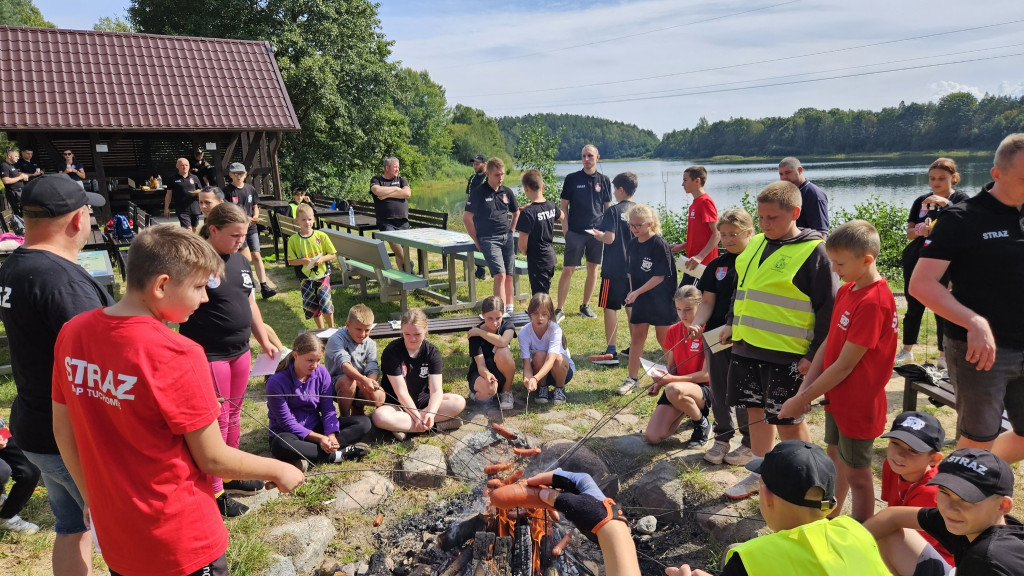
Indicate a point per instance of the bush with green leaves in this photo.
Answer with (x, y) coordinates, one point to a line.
(536, 148)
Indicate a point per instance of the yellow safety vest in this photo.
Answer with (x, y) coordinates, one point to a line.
(840, 547)
(770, 312)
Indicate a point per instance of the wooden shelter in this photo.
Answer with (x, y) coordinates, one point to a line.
(129, 105)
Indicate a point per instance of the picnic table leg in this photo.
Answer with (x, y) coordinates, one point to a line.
(453, 278)
(470, 265)
(423, 255)
(909, 396)
(408, 258)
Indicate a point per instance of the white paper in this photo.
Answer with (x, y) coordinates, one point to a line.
(681, 266)
(711, 336)
(312, 263)
(327, 333)
(649, 366)
(264, 365)
(590, 231)
(395, 324)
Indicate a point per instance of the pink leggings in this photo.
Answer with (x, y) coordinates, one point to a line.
(230, 377)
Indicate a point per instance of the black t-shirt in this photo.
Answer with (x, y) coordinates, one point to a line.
(39, 292)
(998, 550)
(9, 170)
(26, 166)
(185, 191)
(207, 171)
(76, 166)
(395, 361)
(478, 345)
(223, 325)
(474, 181)
(616, 219)
(981, 238)
(490, 209)
(649, 259)
(246, 199)
(538, 220)
(719, 277)
(919, 213)
(587, 194)
(814, 208)
(390, 208)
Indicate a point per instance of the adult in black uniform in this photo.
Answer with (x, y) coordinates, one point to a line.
(72, 168)
(184, 187)
(980, 243)
(585, 196)
(478, 178)
(203, 169)
(14, 180)
(390, 193)
(27, 166)
(41, 288)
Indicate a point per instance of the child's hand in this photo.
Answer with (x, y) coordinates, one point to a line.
(475, 331)
(288, 477)
(793, 408)
(691, 263)
(326, 444)
(803, 366)
(922, 229)
(695, 331)
(530, 383)
(684, 570)
(725, 336)
(271, 350)
(631, 297)
(428, 420)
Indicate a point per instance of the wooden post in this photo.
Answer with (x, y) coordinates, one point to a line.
(275, 145)
(102, 213)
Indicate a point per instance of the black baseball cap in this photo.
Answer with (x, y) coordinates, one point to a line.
(919, 430)
(792, 468)
(974, 474)
(55, 195)
(479, 158)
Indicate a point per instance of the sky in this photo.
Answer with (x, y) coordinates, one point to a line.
(664, 64)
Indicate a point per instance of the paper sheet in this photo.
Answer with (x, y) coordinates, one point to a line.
(312, 263)
(264, 365)
(711, 336)
(681, 266)
(649, 366)
(325, 334)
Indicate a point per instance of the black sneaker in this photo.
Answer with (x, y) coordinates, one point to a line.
(243, 487)
(701, 434)
(624, 352)
(355, 451)
(586, 312)
(231, 508)
(481, 273)
(266, 291)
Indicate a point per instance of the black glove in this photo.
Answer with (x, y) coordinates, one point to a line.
(583, 503)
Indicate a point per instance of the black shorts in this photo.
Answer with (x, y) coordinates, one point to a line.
(389, 224)
(765, 385)
(188, 220)
(705, 391)
(491, 367)
(649, 308)
(580, 244)
(613, 293)
(218, 567)
(540, 279)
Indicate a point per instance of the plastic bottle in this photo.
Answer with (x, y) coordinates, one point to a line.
(351, 216)
(159, 181)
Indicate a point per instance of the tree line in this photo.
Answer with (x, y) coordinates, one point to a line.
(613, 139)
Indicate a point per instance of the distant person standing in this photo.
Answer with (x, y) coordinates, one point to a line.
(184, 187)
(243, 195)
(14, 180)
(479, 177)
(490, 217)
(203, 169)
(814, 213)
(72, 168)
(27, 166)
(701, 246)
(391, 194)
(585, 196)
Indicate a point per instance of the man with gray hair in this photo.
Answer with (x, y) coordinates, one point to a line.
(980, 244)
(390, 193)
(814, 212)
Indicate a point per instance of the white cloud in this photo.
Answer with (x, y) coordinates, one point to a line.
(1010, 89)
(947, 87)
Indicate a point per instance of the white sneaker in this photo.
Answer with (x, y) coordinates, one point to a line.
(745, 488)
(506, 401)
(904, 357)
(628, 385)
(16, 524)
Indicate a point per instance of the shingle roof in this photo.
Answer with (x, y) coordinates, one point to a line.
(81, 80)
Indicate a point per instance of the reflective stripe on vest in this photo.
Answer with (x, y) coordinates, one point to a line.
(769, 311)
(840, 547)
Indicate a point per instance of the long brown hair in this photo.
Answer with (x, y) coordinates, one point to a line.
(303, 344)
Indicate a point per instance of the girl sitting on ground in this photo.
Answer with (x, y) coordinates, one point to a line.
(546, 360)
(304, 425)
(491, 364)
(412, 384)
(684, 388)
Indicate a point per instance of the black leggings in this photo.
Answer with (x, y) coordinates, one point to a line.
(915, 311)
(287, 446)
(13, 464)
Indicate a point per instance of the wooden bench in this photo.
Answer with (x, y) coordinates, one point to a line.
(519, 268)
(939, 391)
(362, 259)
(417, 218)
(450, 325)
(558, 235)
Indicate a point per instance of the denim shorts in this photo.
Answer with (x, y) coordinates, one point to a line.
(65, 500)
(499, 253)
(252, 240)
(982, 395)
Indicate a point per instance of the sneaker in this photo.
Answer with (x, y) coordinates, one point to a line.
(716, 454)
(745, 488)
(940, 362)
(17, 524)
(244, 487)
(624, 352)
(701, 434)
(559, 396)
(605, 359)
(446, 425)
(542, 394)
(904, 357)
(559, 315)
(355, 451)
(266, 291)
(481, 273)
(628, 385)
(506, 401)
(399, 436)
(231, 508)
(586, 312)
(302, 464)
(739, 457)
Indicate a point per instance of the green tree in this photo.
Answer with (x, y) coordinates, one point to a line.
(22, 13)
(112, 24)
(536, 148)
(474, 132)
(422, 101)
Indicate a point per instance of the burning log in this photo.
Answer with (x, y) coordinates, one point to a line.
(522, 551)
(460, 532)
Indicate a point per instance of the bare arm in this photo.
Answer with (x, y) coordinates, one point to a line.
(216, 458)
(497, 340)
(712, 242)
(65, 437)
(467, 220)
(703, 314)
(524, 241)
(926, 287)
(167, 202)
(891, 520)
(649, 285)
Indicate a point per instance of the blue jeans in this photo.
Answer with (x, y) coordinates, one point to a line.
(65, 500)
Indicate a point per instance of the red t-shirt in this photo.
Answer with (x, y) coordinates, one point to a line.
(687, 353)
(133, 388)
(702, 212)
(866, 317)
(898, 492)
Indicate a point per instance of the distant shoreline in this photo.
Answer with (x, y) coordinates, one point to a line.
(731, 159)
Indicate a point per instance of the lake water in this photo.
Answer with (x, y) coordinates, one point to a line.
(847, 182)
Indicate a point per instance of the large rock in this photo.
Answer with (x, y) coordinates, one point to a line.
(661, 492)
(627, 420)
(633, 446)
(481, 449)
(728, 522)
(582, 460)
(424, 467)
(560, 430)
(280, 566)
(305, 541)
(365, 493)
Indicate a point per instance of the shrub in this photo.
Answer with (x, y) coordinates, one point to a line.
(890, 218)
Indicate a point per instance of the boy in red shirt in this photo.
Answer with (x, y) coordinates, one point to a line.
(686, 391)
(135, 416)
(854, 364)
(702, 235)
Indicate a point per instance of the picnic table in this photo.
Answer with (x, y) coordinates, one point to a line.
(97, 241)
(97, 264)
(363, 222)
(272, 204)
(447, 243)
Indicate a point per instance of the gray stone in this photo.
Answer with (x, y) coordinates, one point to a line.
(582, 460)
(365, 493)
(627, 419)
(312, 536)
(280, 566)
(632, 446)
(592, 414)
(722, 479)
(560, 430)
(259, 499)
(726, 522)
(647, 525)
(424, 467)
(481, 449)
(661, 492)
(553, 416)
